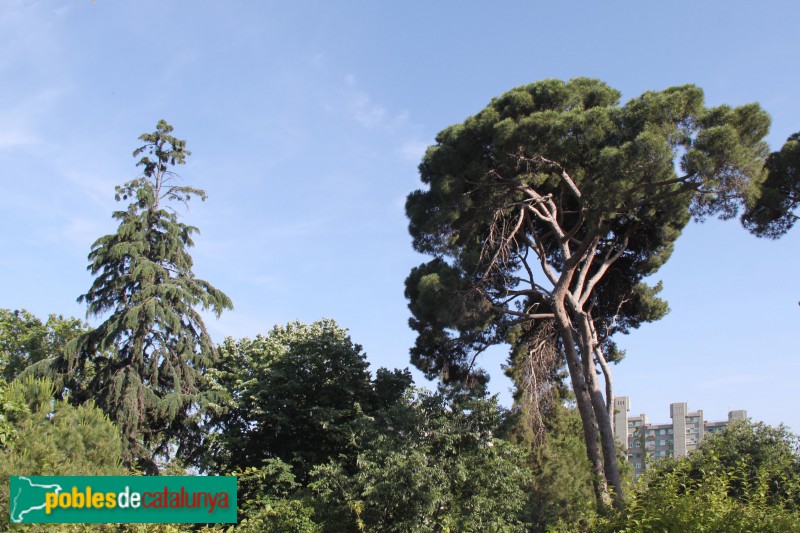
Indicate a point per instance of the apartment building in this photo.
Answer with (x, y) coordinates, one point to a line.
(646, 442)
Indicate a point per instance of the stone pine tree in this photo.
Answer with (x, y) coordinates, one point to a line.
(544, 213)
(152, 384)
(773, 213)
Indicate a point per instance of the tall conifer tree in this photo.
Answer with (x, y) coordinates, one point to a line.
(545, 213)
(152, 384)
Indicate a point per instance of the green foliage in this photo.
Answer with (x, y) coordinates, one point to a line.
(441, 301)
(10, 409)
(484, 176)
(301, 393)
(560, 487)
(25, 339)
(764, 458)
(152, 384)
(51, 437)
(431, 465)
(268, 500)
(743, 479)
(773, 213)
(319, 444)
(546, 211)
(280, 516)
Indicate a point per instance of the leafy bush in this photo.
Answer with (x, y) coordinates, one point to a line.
(434, 464)
(48, 437)
(744, 479)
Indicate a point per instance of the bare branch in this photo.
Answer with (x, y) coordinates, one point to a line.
(524, 260)
(570, 235)
(614, 318)
(533, 379)
(542, 161)
(587, 263)
(530, 316)
(607, 262)
(541, 253)
(502, 251)
(478, 351)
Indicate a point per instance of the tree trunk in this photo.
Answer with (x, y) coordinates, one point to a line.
(600, 407)
(584, 402)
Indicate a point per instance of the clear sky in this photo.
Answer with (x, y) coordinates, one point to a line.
(307, 121)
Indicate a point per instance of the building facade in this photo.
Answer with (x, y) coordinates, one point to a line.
(645, 442)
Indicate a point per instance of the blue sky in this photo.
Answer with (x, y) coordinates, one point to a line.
(307, 121)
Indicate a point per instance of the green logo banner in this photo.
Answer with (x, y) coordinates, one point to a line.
(122, 499)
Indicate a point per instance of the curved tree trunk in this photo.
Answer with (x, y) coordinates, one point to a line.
(600, 407)
(585, 342)
(587, 413)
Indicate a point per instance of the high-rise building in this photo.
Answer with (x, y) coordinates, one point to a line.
(645, 442)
